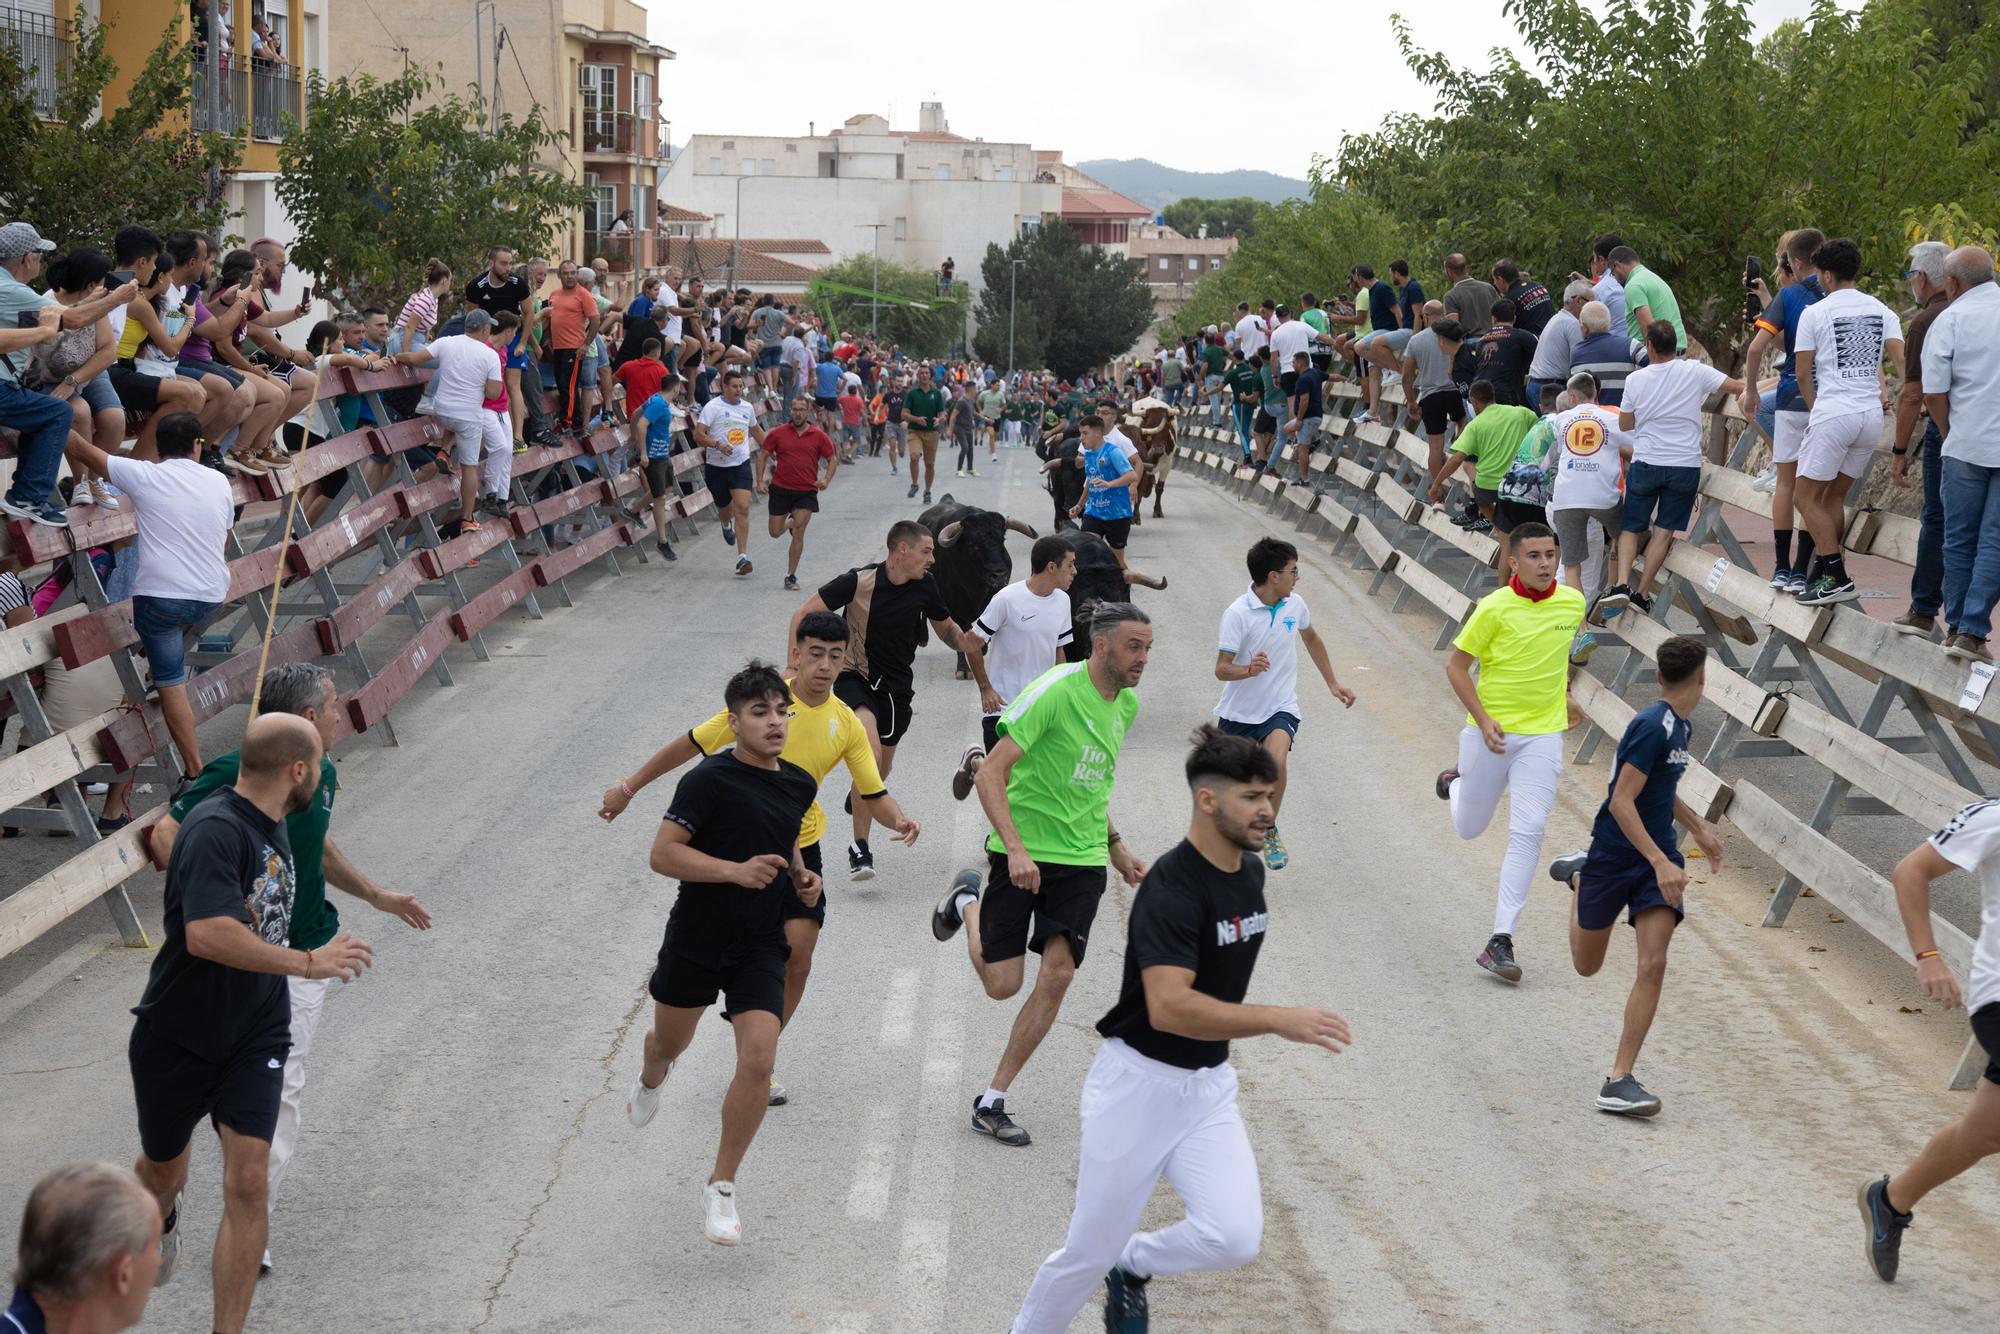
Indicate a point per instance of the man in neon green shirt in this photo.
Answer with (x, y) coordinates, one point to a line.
(1519, 636)
(1647, 297)
(1486, 447)
(1047, 789)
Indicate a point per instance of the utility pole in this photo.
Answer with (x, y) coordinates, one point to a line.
(1013, 274)
(874, 272)
(212, 93)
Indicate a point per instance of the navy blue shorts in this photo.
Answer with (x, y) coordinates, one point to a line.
(1288, 723)
(1986, 1027)
(723, 482)
(1657, 497)
(1610, 884)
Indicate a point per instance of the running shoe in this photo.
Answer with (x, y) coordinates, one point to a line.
(1765, 481)
(43, 512)
(961, 781)
(1627, 1097)
(81, 496)
(791, 583)
(666, 549)
(1644, 602)
(1581, 648)
(1781, 578)
(264, 1266)
(913, 491)
(1498, 959)
(995, 1122)
(860, 861)
(642, 1102)
(1563, 869)
(1445, 780)
(728, 533)
(722, 1226)
(892, 467)
(1275, 855)
(170, 1243)
(959, 473)
(778, 1095)
(1125, 1302)
(1609, 603)
(743, 566)
(1885, 1228)
(927, 497)
(947, 917)
(1797, 584)
(972, 472)
(1482, 524)
(1827, 590)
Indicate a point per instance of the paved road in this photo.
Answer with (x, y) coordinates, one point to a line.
(466, 1163)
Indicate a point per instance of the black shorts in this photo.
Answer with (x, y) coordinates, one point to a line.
(1986, 1027)
(1437, 408)
(1115, 532)
(1263, 423)
(689, 977)
(1321, 361)
(1288, 381)
(175, 1089)
(784, 501)
(794, 908)
(989, 731)
(826, 404)
(1618, 881)
(138, 391)
(892, 711)
(1511, 514)
(659, 478)
(1066, 906)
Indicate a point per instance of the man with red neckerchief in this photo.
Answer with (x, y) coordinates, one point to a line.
(1519, 636)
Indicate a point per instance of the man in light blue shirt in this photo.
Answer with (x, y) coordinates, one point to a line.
(1606, 287)
(1962, 393)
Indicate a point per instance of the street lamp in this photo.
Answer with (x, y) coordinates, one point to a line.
(1013, 273)
(874, 271)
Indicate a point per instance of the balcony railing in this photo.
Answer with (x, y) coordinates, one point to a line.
(276, 91)
(622, 132)
(42, 46)
(233, 105)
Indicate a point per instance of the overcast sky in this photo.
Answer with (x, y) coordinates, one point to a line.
(1171, 81)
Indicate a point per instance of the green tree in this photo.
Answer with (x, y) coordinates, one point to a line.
(82, 176)
(1075, 306)
(929, 332)
(1223, 217)
(387, 174)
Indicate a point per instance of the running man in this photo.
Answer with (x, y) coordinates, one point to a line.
(1108, 478)
(731, 837)
(796, 448)
(886, 605)
(1634, 864)
(1970, 842)
(1519, 636)
(1020, 635)
(923, 406)
(725, 428)
(824, 734)
(1047, 789)
(1160, 1099)
(1257, 661)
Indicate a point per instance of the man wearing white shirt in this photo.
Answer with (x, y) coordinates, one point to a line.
(726, 427)
(1841, 341)
(469, 374)
(1257, 660)
(1586, 466)
(1020, 635)
(1961, 374)
(1254, 329)
(1558, 340)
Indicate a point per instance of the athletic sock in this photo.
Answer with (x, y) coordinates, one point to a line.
(1782, 540)
(991, 1096)
(960, 899)
(1802, 557)
(1815, 568)
(1836, 568)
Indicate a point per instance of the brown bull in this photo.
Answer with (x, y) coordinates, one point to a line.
(1152, 426)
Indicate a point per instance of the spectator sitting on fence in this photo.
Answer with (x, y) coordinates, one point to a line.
(241, 276)
(90, 1250)
(185, 513)
(193, 275)
(147, 355)
(468, 374)
(1926, 278)
(1962, 392)
(272, 356)
(73, 367)
(419, 316)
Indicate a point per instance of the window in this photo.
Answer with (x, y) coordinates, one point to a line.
(642, 95)
(600, 88)
(715, 166)
(902, 229)
(1164, 264)
(770, 166)
(1215, 261)
(829, 164)
(941, 172)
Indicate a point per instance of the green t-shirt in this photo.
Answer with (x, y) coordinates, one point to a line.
(1214, 359)
(1645, 288)
(1492, 437)
(1316, 317)
(1535, 444)
(314, 921)
(1075, 404)
(1060, 790)
(922, 407)
(1244, 382)
(992, 403)
(1274, 393)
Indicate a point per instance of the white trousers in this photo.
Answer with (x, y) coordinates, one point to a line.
(1143, 1119)
(1529, 772)
(496, 471)
(308, 1003)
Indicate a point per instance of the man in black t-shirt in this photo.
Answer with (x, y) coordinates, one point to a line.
(886, 606)
(214, 1023)
(731, 837)
(1505, 352)
(499, 287)
(1161, 1095)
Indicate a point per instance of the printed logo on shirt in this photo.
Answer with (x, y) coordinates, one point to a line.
(1291, 622)
(1093, 766)
(270, 899)
(1585, 436)
(1236, 930)
(1857, 345)
(1960, 820)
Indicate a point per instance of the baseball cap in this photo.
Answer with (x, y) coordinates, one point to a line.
(478, 319)
(20, 238)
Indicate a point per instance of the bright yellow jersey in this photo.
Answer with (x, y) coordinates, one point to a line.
(821, 737)
(1523, 650)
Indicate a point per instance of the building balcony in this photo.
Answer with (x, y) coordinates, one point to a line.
(621, 134)
(42, 46)
(230, 109)
(277, 92)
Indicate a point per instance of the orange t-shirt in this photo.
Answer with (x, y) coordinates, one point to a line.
(571, 310)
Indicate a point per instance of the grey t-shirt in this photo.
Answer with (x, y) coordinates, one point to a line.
(770, 324)
(1471, 301)
(1433, 364)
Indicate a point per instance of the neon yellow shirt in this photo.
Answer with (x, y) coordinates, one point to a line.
(820, 739)
(1523, 651)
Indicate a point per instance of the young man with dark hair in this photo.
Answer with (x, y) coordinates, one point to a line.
(1047, 790)
(1505, 353)
(1108, 477)
(1532, 307)
(1021, 634)
(727, 427)
(1485, 448)
(795, 451)
(655, 422)
(923, 406)
(1788, 414)
(1519, 637)
(1634, 864)
(886, 604)
(1160, 1099)
(824, 734)
(1307, 406)
(731, 837)
(1257, 660)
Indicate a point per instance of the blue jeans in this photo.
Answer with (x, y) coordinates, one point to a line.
(1927, 583)
(1534, 393)
(1767, 413)
(1245, 414)
(1971, 546)
(43, 421)
(162, 624)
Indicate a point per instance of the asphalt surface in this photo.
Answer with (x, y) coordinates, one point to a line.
(466, 1164)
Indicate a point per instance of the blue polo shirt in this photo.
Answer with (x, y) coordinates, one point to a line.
(1107, 461)
(1655, 743)
(24, 1315)
(1782, 317)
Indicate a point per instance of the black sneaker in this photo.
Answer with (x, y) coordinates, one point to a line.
(1609, 603)
(1481, 524)
(1125, 1302)
(1498, 959)
(1885, 1228)
(913, 491)
(1444, 783)
(1627, 1097)
(791, 583)
(994, 1121)
(1644, 602)
(666, 550)
(860, 861)
(1563, 869)
(946, 918)
(1826, 590)
(927, 497)
(961, 781)
(728, 534)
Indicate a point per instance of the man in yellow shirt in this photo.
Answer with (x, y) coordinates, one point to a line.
(1519, 636)
(824, 734)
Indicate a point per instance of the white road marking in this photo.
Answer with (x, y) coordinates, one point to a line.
(899, 1007)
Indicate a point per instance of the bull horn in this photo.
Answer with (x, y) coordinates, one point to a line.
(948, 535)
(1023, 529)
(1146, 580)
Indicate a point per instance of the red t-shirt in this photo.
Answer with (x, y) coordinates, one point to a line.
(850, 409)
(845, 353)
(799, 453)
(641, 378)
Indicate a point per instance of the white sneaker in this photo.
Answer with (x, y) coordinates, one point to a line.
(264, 1266)
(1766, 480)
(81, 496)
(778, 1095)
(642, 1102)
(722, 1226)
(170, 1246)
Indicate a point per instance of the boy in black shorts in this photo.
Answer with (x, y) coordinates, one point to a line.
(795, 451)
(1634, 865)
(731, 837)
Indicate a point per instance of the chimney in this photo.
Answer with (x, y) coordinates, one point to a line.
(1201, 232)
(809, 129)
(930, 118)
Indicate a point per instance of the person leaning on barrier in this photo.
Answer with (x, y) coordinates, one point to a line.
(90, 1247)
(1926, 278)
(1962, 392)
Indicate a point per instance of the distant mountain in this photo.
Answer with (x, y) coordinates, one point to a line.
(1157, 186)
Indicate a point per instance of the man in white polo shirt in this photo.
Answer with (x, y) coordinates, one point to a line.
(1257, 660)
(1020, 635)
(469, 374)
